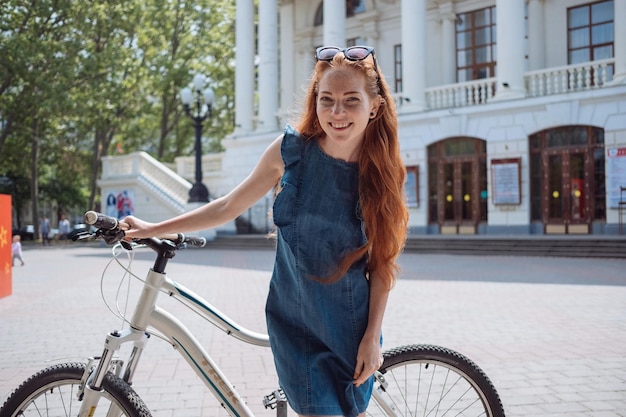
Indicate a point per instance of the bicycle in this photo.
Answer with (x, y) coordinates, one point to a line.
(413, 380)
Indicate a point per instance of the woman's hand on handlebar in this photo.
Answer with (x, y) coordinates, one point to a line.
(135, 228)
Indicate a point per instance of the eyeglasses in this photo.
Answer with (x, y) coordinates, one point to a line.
(352, 53)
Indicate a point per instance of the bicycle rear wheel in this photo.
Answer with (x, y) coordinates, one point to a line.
(424, 380)
(52, 392)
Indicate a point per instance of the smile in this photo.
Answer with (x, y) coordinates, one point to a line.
(340, 125)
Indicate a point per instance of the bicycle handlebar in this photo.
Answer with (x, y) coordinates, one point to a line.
(101, 221)
(194, 240)
(111, 232)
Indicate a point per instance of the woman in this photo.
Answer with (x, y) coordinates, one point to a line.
(341, 223)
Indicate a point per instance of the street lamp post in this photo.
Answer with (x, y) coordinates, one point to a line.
(197, 104)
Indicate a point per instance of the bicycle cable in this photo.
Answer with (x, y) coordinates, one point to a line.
(115, 311)
(116, 251)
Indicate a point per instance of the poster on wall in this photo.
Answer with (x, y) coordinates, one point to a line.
(616, 174)
(505, 180)
(120, 204)
(411, 187)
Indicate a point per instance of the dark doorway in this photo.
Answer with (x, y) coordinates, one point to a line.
(567, 179)
(457, 185)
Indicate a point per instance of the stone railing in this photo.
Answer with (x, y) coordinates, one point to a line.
(160, 179)
(557, 80)
(464, 94)
(211, 165)
(570, 78)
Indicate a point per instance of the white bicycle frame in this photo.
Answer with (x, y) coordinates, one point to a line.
(148, 314)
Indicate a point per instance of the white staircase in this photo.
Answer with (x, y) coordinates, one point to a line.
(156, 192)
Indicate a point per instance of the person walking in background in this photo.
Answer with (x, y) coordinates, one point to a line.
(64, 228)
(341, 222)
(44, 227)
(16, 250)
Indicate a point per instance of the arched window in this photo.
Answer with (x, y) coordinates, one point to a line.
(352, 7)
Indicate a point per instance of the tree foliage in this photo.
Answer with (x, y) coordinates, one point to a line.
(81, 80)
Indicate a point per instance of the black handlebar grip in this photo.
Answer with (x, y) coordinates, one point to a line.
(195, 241)
(100, 220)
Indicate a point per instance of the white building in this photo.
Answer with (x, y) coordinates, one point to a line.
(512, 113)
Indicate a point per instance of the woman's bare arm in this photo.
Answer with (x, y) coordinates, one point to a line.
(370, 357)
(262, 179)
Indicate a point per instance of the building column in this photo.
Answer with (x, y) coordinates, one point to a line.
(244, 70)
(268, 65)
(287, 57)
(334, 23)
(619, 43)
(448, 43)
(536, 36)
(413, 23)
(510, 35)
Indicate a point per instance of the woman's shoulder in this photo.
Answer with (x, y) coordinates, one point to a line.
(292, 135)
(292, 145)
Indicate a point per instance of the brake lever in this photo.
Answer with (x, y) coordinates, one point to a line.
(82, 236)
(111, 237)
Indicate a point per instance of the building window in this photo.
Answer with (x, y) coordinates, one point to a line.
(397, 68)
(355, 42)
(590, 33)
(353, 7)
(476, 44)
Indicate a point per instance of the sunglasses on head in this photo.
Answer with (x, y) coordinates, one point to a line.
(352, 53)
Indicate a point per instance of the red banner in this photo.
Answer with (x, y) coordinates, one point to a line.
(5, 245)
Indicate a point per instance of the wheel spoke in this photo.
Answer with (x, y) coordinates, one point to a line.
(428, 381)
(53, 392)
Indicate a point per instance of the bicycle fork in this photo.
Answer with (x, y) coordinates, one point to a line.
(380, 387)
(91, 390)
(91, 383)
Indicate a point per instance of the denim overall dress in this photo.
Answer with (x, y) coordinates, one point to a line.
(315, 328)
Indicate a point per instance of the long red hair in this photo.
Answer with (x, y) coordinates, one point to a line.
(381, 172)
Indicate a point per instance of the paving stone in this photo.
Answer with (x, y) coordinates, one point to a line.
(549, 336)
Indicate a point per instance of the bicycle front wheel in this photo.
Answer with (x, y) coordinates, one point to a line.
(53, 392)
(425, 380)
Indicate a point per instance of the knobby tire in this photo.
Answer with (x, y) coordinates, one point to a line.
(425, 380)
(52, 392)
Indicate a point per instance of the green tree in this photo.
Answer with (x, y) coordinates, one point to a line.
(179, 39)
(33, 41)
(109, 70)
(80, 80)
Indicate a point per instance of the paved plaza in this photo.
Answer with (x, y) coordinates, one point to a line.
(549, 332)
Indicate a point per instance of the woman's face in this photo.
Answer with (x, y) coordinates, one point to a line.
(344, 110)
